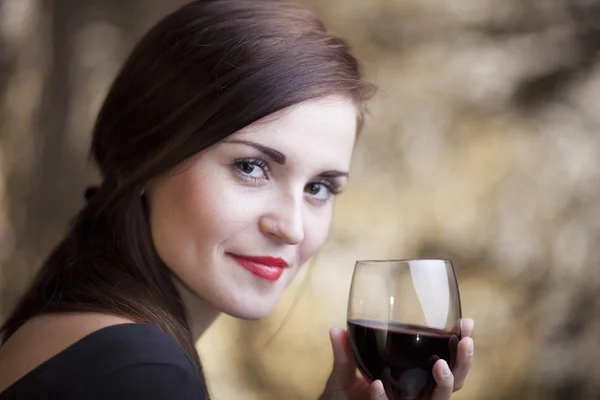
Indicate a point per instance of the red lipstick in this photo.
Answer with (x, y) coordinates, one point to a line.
(269, 268)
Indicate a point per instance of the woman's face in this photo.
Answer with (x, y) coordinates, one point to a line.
(236, 223)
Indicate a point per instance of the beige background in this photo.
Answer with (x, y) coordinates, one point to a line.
(482, 146)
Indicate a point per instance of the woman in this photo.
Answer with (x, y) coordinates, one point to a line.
(222, 143)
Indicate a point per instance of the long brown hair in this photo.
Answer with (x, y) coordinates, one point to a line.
(201, 74)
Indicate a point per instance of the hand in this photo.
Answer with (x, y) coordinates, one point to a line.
(344, 384)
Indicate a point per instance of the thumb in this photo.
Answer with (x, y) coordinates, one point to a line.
(344, 369)
(377, 391)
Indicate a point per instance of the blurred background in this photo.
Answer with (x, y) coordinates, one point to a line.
(481, 146)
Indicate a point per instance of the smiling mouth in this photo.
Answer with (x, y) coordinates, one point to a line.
(269, 268)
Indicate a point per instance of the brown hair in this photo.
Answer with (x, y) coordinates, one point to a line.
(201, 74)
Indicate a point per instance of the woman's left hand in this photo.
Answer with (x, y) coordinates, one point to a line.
(344, 384)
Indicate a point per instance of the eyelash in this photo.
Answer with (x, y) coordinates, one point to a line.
(332, 186)
(258, 162)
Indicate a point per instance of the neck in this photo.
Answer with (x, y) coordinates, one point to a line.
(200, 313)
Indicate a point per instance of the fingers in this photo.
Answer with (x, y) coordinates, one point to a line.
(464, 353)
(464, 358)
(344, 370)
(444, 379)
(466, 326)
(377, 392)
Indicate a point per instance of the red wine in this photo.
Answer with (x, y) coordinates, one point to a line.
(401, 356)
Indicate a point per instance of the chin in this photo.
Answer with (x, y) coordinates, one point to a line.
(250, 311)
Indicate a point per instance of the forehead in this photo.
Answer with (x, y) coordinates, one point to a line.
(320, 129)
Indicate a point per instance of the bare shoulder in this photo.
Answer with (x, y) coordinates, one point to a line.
(45, 336)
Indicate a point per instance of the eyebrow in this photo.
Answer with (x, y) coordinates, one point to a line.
(273, 154)
(280, 158)
(333, 174)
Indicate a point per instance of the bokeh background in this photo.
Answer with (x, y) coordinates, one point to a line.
(481, 146)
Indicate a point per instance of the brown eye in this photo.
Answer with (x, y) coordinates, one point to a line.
(321, 192)
(251, 168)
(245, 167)
(313, 188)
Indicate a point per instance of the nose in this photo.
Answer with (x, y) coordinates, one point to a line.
(283, 220)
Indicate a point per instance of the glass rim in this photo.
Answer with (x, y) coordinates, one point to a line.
(401, 260)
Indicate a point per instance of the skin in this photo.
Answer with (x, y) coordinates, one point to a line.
(236, 198)
(239, 198)
(198, 220)
(344, 383)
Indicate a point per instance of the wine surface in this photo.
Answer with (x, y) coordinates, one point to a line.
(401, 356)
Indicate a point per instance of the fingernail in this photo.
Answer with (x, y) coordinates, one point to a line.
(471, 348)
(380, 388)
(445, 370)
(472, 325)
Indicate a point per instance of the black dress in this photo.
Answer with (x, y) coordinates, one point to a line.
(128, 361)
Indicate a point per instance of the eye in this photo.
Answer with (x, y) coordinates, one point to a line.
(320, 191)
(251, 168)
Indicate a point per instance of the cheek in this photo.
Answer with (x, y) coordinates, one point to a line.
(176, 218)
(316, 233)
(182, 213)
(192, 216)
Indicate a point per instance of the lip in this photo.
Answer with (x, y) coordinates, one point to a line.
(269, 268)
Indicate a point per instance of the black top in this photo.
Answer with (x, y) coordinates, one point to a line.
(128, 361)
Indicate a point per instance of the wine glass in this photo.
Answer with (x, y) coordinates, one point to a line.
(403, 316)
